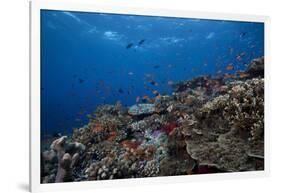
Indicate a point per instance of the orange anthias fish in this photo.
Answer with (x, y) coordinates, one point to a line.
(228, 76)
(145, 97)
(242, 74)
(158, 96)
(229, 67)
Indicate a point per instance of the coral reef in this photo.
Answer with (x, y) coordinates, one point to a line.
(229, 128)
(208, 125)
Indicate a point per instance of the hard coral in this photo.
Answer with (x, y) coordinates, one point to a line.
(141, 109)
(67, 156)
(256, 68)
(129, 144)
(230, 127)
(97, 127)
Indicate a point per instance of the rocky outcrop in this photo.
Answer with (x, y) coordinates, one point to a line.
(256, 68)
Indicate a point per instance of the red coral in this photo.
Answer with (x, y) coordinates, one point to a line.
(170, 127)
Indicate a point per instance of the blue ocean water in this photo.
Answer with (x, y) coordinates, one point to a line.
(90, 59)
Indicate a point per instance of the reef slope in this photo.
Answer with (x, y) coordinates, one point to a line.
(208, 125)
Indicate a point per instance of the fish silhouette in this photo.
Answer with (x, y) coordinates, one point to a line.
(152, 82)
(81, 80)
(156, 66)
(141, 42)
(120, 90)
(129, 45)
(243, 34)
